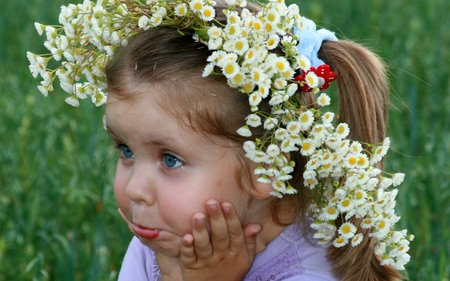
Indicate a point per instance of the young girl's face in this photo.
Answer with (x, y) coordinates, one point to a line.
(166, 172)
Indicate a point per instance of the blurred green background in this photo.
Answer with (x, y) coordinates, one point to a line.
(58, 218)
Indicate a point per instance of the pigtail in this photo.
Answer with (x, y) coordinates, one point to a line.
(363, 103)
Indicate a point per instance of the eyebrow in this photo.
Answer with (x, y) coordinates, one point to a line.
(115, 136)
(111, 132)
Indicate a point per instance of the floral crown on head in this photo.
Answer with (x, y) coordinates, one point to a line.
(340, 172)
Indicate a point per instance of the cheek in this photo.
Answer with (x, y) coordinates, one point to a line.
(120, 183)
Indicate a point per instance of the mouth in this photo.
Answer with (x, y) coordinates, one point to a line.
(144, 232)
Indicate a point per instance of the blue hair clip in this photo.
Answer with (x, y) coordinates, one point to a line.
(311, 40)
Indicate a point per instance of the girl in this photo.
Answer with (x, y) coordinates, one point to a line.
(215, 169)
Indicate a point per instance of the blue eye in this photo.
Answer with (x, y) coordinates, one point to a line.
(127, 152)
(171, 161)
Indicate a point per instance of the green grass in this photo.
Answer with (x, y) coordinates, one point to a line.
(58, 218)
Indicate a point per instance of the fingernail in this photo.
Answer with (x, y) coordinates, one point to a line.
(200, 221)
(226, 208)
(212, 207)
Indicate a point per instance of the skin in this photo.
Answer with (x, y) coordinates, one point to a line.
(178, 193)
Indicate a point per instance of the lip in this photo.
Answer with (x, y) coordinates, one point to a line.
(144, 232)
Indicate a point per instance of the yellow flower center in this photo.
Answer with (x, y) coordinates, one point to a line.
(232, 30)
(198, 6)
(361, 161)
(346, 229)
(346, 203)
(359, 195)
(280, 65)
(352, 161)
(306, 146)
(207, 13)
(239, 45)
(238, 78)
(256, 76)
(340, 130)
(248, 87)
(331, 211)
(229, 69)
(304, 118)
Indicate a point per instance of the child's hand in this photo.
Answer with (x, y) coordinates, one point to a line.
(227, 255)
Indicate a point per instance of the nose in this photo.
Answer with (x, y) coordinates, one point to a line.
(140, 186)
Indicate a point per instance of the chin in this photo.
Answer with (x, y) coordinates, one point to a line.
(170, 248)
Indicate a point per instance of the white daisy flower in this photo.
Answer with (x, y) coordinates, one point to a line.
(264, 179)
(233, 17)
(306, 119)
(357, 239)
(260, 170)
(258, 76)
(209, 68)
(73, 101)
(293, 127)
(207, 13)
(304, 63)
(196, 5)
(253, 120)
(342, 130)
(272, 42)
(351, 160)
(254, 99)
(215, 43)
(273, 150)
(181, 10)
(249, 146)
(307, 147)
(39, 28)
(99, 98)
(345, 205)
(280, 83)
(143, 22)
(270, 123)
(276, 99)
(323, 100)
(328, 117)
(310, 180)
(230, 69)
(397, 179)
(233, 30)
(244, 131)
(291, 89)
(347, 230)
(279, 185)
(355, 147)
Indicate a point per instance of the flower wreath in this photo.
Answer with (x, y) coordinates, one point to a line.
(341, 171)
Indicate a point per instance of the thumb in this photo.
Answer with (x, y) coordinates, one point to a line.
(251, 230)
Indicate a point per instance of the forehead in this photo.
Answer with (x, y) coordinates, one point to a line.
(142, 119)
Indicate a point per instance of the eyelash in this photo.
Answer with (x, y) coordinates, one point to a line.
(120, 147)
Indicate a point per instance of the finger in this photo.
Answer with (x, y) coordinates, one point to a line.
(235, 232)
(251, 231)
(218, 225)
(187, 251)
(203, 248)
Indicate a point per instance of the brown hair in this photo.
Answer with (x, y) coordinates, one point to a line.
(163, 57)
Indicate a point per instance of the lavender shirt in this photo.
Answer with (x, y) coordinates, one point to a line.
(288, 257)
